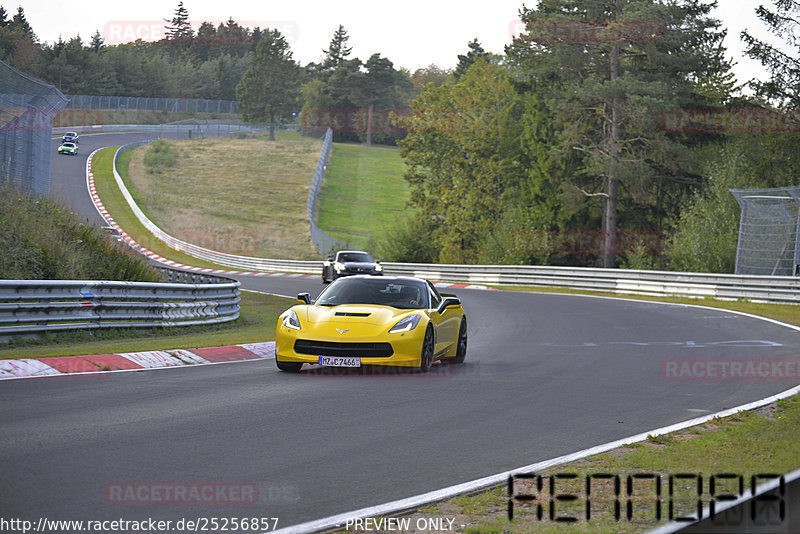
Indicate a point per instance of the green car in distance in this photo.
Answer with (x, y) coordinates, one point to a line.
(68, 148)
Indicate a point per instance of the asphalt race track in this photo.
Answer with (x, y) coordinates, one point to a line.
(545, 375)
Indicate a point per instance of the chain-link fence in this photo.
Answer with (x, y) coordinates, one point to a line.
(27, 108)
(171, 105)
(192, 128)
(325, 243)
(769, 231)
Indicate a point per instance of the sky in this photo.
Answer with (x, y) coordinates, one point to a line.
(411, 33)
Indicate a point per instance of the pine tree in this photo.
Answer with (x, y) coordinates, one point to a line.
(179, 29)
(784, 84)
(475, 52)
(609, 69)
(338, 50)
(3, 17)
(269, 90)
(19, 22)
(97, 41)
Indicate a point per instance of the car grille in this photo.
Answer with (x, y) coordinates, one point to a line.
(358, 350)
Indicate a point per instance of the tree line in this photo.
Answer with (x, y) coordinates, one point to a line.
(608, 133)
(184, 64)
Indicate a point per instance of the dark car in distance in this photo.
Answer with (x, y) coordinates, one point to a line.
(349, 262)
(70, 137)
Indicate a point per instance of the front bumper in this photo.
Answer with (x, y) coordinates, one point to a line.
(353, 272)
(406, 347)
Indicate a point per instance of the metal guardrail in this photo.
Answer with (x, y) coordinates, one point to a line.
(655, 283)
(38, 306)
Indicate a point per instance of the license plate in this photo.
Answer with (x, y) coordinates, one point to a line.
(338, 361)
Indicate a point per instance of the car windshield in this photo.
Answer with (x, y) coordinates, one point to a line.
(403, 294)
(361, 257)
(68, 145)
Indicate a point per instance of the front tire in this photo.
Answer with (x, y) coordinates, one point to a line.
(289, 367)
(426, 358)
(461, 350)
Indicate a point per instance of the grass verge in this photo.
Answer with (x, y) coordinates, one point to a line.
(102, 167)
(257, 319)
(240, 196)
(363, 194)
(39, 240)
(747, 444)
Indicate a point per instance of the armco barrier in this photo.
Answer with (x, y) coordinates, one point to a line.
(37, 306)
(656, 283)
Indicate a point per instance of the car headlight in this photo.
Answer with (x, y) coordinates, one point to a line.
(406, 324)
(338, 266)
(379, 267)
(290, 320)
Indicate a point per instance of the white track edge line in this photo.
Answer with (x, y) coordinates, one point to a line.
(416, 501)
(681, 304)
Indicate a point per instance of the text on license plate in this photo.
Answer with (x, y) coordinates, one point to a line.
(338, 361)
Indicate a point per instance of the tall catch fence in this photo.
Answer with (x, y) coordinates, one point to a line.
(191, 128)
(27, 108)
(769, 231)
(322, 240)
(171, 105)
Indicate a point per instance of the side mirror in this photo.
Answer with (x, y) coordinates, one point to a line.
(447, 302)
(305, 298)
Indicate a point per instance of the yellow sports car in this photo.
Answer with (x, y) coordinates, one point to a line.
(367, 320)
